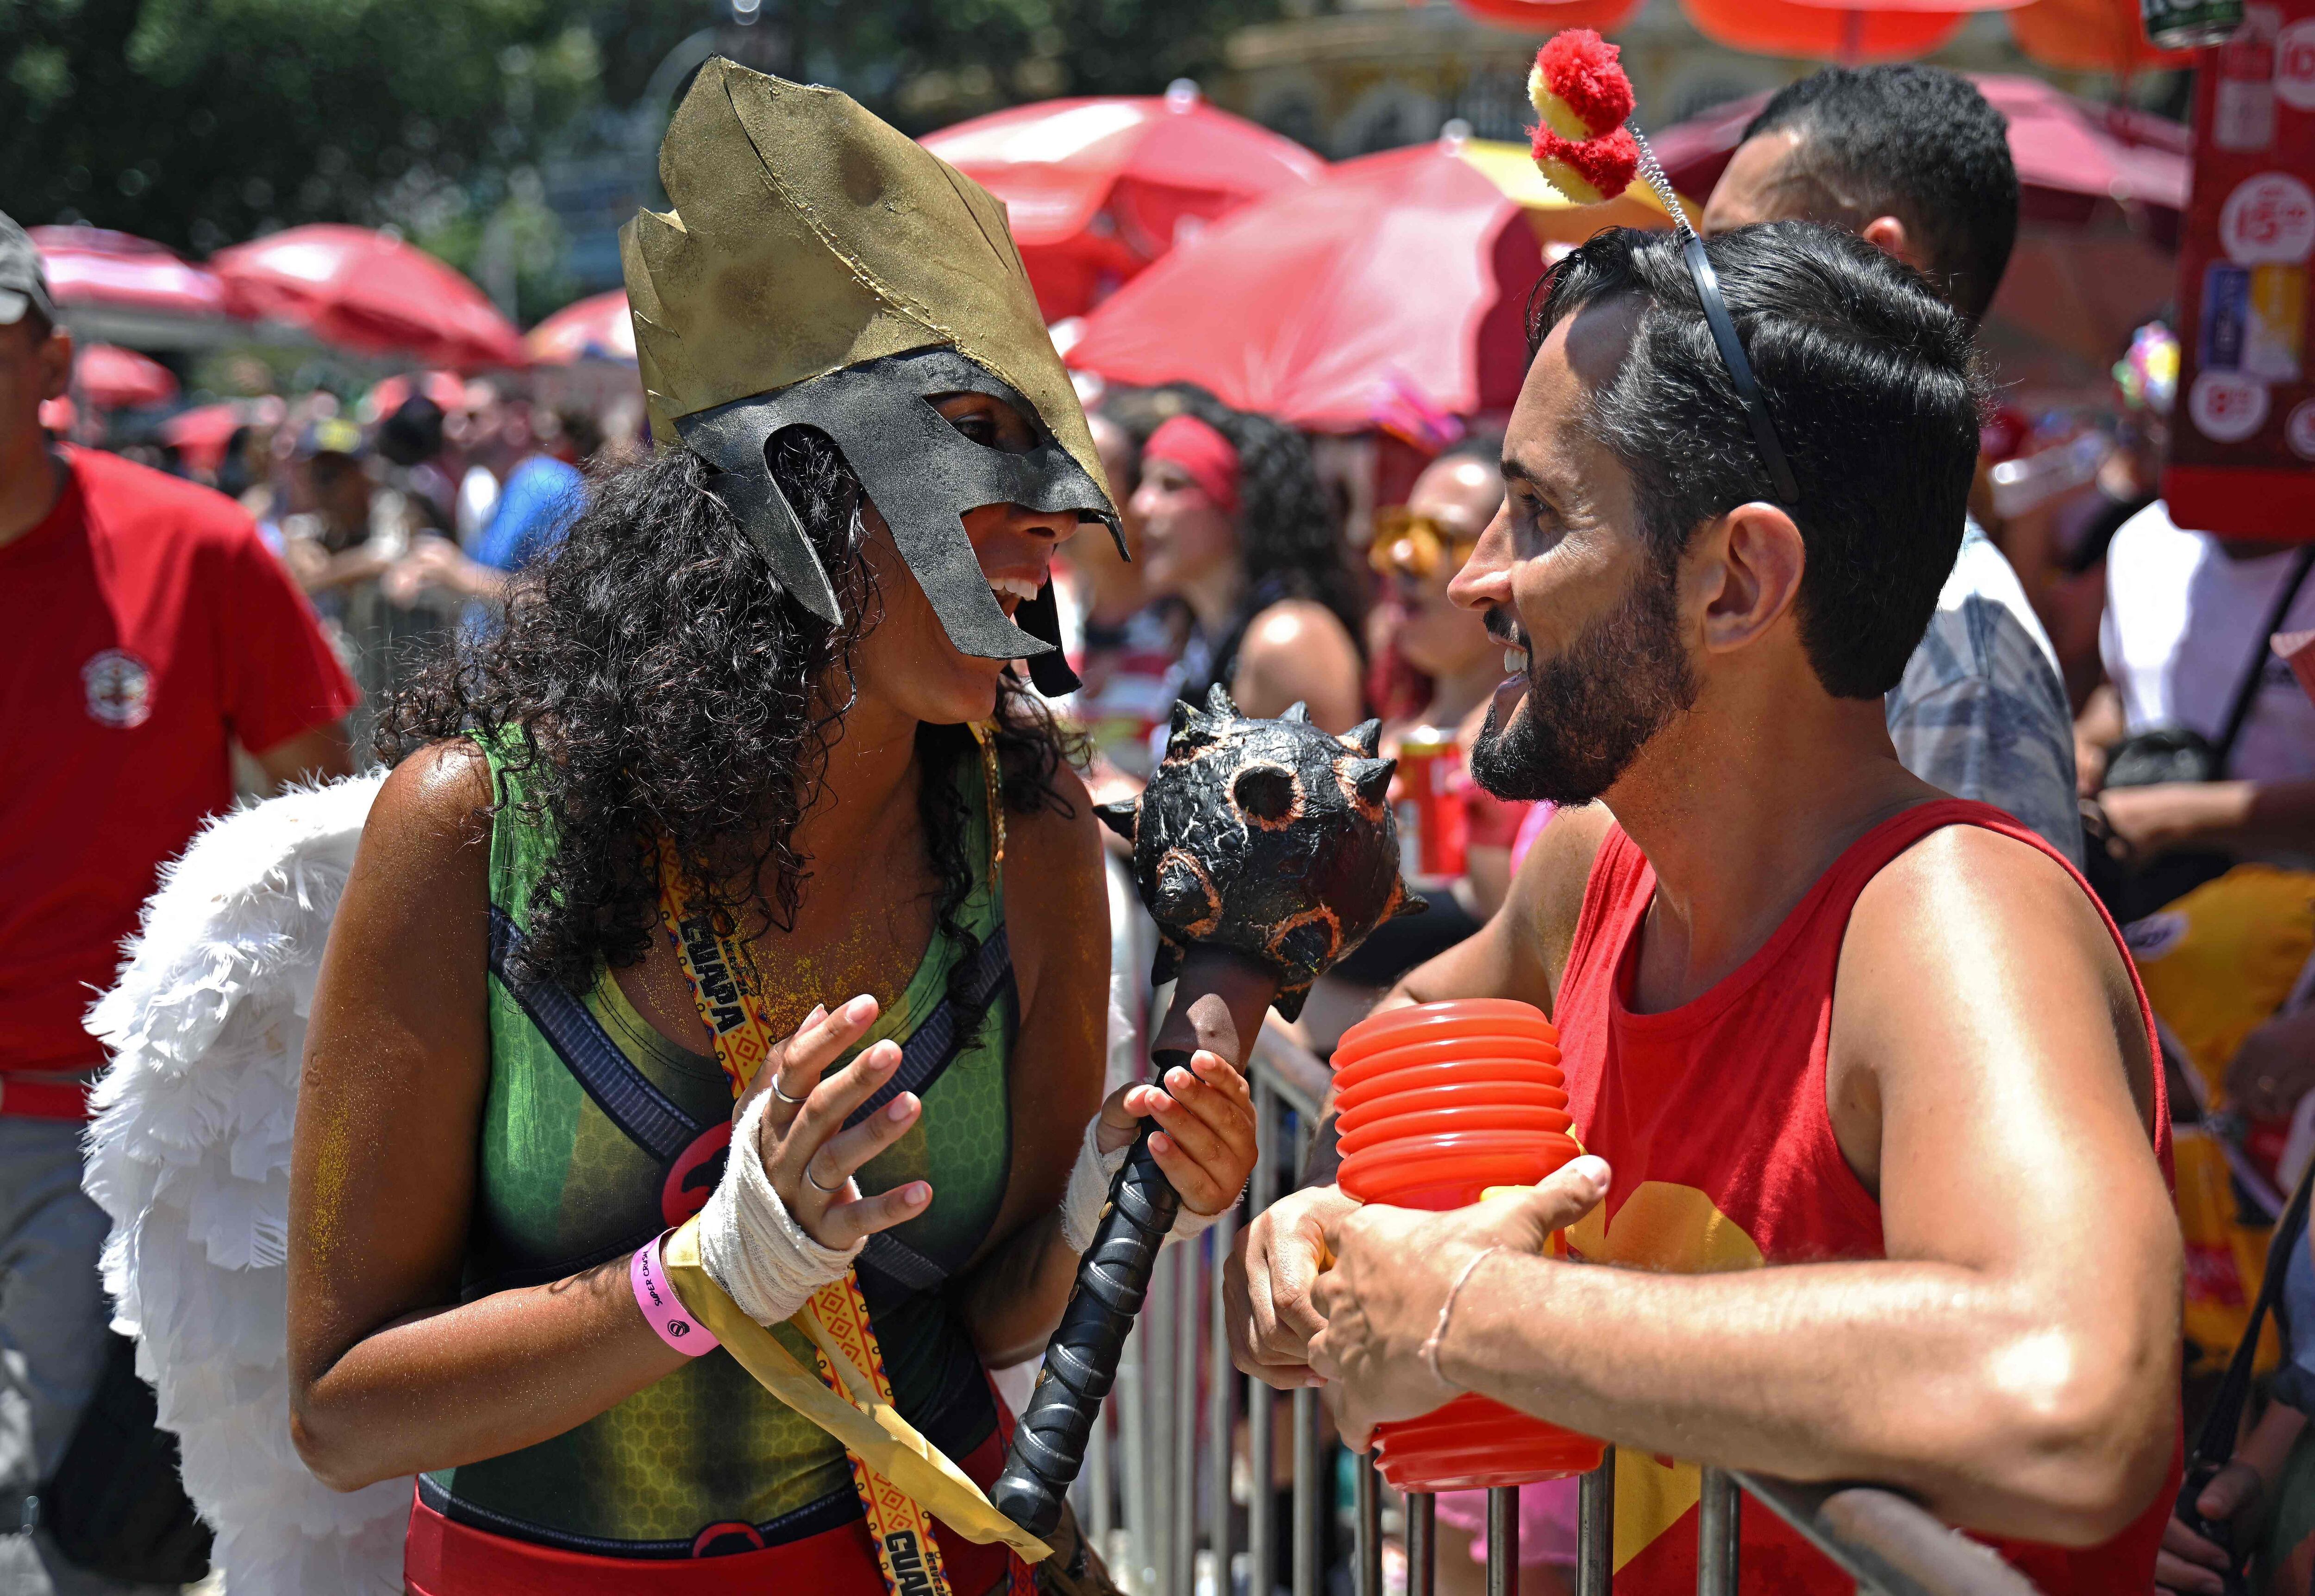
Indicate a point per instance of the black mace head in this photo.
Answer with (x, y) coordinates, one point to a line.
(1272, 839)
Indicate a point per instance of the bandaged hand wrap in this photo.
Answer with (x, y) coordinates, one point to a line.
(752, 1244)
(1088, 1193)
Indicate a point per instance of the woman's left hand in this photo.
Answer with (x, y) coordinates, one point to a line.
(1205, 1129)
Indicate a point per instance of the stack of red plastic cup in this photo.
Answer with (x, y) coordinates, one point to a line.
(1436, 1104)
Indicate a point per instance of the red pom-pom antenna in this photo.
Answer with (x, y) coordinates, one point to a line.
(1589, 170)
(1580, 89)
(1578, 85)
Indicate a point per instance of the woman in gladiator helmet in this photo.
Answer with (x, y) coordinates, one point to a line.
(738, 876)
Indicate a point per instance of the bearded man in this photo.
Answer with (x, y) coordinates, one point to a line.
(1866, 1085)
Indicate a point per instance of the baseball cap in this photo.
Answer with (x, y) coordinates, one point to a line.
(22, 285)
(333, 435)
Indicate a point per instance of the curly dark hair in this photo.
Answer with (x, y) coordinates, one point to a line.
(652, 670)
(1289, 534)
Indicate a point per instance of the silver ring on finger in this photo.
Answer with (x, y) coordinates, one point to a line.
(783, 1097)
(824, 1191)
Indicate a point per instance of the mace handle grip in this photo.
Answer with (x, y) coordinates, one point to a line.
(1048, 1443)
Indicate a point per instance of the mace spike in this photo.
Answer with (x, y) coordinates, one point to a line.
(1119, 815)
(1365, 737)
(1370, 778)
(1298, 712)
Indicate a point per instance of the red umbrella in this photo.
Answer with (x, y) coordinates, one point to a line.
(201, 434)
(1095, 189)
(97, 267)
(372, 293)
(1550, 16)
(1836, 29)
(118, 287)
(597, 328)
(2090, 36)
(1396, 283)
(114, 378)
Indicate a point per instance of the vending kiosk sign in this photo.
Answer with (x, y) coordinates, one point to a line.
(2243, 445)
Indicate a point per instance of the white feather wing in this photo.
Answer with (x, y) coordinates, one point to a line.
(188, 1155)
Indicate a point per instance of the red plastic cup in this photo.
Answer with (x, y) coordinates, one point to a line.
(1447, 1120)
(1438, 1102)
(1445, 1092)
(1481, 1078)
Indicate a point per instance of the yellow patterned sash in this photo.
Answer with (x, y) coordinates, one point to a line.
(896, 1471)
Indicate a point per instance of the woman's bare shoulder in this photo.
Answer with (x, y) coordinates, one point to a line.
(436, 804)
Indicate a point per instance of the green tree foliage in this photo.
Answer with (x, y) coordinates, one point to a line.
(203, 122)
(199, 122)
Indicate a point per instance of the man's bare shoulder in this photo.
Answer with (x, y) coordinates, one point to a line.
(1969, 932)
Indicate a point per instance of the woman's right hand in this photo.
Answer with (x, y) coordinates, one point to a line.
(808, 1155)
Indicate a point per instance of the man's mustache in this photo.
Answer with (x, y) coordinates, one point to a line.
(1502, 628)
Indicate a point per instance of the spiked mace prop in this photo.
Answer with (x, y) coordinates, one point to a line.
(1265, 851)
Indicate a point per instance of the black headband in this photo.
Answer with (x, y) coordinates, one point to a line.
(1740, 369)
(1723, 329)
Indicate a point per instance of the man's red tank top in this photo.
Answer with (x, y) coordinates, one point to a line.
(1713, 1118)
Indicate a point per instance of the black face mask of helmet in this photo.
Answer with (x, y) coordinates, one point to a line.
(922, 476)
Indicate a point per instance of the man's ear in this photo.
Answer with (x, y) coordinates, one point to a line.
(1754, 556)
(56, 359)
(1890, 235)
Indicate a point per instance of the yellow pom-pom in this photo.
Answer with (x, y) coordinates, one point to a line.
(1569, 181)
(1556, 113)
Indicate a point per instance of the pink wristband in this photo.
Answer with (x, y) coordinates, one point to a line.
(663, 1310)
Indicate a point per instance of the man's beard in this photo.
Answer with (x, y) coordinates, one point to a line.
(1591, 709)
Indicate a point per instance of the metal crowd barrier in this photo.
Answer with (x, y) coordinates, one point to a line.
(1167, 1490)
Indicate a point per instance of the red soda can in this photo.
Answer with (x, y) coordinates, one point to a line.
(1433, 829)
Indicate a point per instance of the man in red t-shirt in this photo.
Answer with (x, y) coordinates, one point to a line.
(147, 631)
(1871, 1105)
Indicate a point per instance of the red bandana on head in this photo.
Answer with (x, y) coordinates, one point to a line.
(1198, 449)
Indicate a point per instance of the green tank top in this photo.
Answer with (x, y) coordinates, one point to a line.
(598, 1133)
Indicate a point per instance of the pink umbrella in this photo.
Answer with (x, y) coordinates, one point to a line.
(597, 328)
(2074, 289)
(1095, 189)
(114, 378)
(1395, 286)
(95, 266)
(2069, 152)
(371, 293)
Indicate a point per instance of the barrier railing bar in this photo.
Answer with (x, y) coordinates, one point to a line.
(1136, 1459)
(1720, 1512)
(1367, 1488)
(1295, 1073)
(1595, 1528)
(1502, 1540)
(1311, 1487)
(1892, 1546)
(1421, 1543)
(1188, 1320)
(1157, 1531)
(1307, 1503)
(1219, 1383)
(1262, 1400)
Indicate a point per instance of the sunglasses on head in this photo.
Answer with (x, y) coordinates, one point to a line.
(1414, 546)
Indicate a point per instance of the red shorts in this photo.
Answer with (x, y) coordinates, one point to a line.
(443, 1558)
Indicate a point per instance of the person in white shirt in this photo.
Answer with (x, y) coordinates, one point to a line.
(2187, 620)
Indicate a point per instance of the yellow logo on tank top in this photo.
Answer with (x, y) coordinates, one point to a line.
(1675, 1230)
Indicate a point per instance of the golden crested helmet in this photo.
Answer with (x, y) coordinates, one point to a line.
(820, 269)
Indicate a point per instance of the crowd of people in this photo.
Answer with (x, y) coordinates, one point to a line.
(1701, 714)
